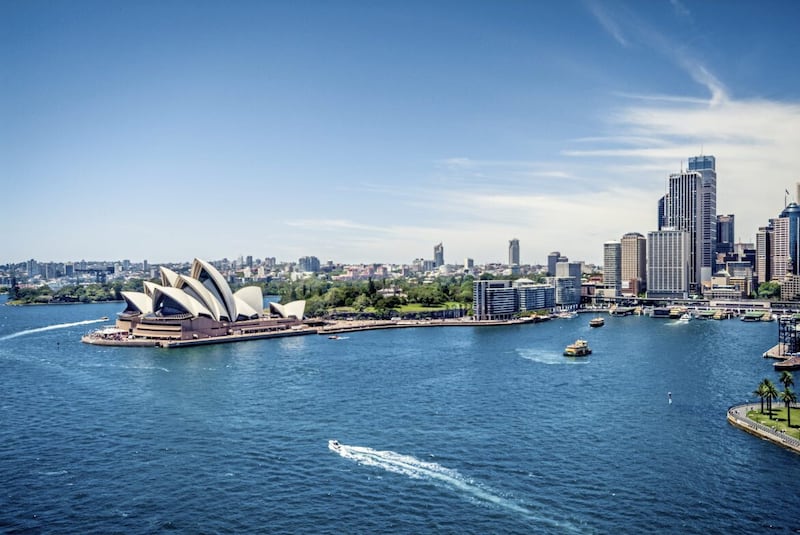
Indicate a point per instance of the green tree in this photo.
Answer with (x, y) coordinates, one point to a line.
(761, 393)
(771, 393)
(361, 302)
(769, 290)
(786, 379)
(788, 397)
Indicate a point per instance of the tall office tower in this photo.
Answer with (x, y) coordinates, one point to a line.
(662, 212)
(469, 263)
(568, 283)
(145, 268)
(779, 249)
(763, 254)
(634, 263)
(438, 255)
(308, 264)
(668, 265)
(612, 267)
(707, 214)
(682, 206)
(725, 233)
(553, 259)
(513, 252)
(249, 261)
(792, 213)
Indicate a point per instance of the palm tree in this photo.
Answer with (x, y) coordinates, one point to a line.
(788, 397)
(761, 393)
(771, 393)
(787, 379)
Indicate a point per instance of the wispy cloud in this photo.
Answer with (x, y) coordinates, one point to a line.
(680, 9)
(608, 23)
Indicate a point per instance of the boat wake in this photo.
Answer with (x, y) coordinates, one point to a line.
(51, 328)
(549, 357)
(417, 469)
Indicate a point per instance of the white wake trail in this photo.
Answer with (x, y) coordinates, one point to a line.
(411, 466)
(50, 328)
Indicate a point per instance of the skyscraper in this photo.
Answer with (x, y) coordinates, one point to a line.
(612, 267)
(690, 205)
(792, 214)
(725, 233)
(668, 263)
(634, 263)
(438, 255)
(707, 214)
(513, 252)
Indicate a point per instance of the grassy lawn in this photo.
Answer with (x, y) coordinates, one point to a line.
(778, 420)
(417, 307)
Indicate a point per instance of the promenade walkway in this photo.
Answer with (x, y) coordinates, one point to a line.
(737, 416)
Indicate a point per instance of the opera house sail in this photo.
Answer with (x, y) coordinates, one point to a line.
(197, 308)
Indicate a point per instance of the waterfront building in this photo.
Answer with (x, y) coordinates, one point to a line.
(513, 252)
(568, 283)
(494, 300)
(533, 296)
(438, 255)
(633, 272)
(790, 287)
(612, 268)
(668, 266)
(200, 306)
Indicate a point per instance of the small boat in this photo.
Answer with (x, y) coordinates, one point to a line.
(334, 337)
(597, 322)
(685, 317)
(104, 318)
(334, 445)
(579, 349)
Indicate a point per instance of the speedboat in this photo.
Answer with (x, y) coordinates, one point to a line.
(333, 337)
(685, 317)
(104, 318)
(334, 445)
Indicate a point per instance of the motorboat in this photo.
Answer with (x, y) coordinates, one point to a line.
(579, 349)
(104, 318)
(685, 317)
(334, 445)
(334, 337)
(597, 322)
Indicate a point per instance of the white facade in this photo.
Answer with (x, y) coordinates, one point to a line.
(668, 266)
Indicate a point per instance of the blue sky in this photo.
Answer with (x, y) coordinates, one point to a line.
(370, 131)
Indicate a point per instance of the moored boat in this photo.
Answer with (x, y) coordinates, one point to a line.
(579, 349)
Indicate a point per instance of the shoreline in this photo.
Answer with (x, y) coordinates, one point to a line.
(737, 417)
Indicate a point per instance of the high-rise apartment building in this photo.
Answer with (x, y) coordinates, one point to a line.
(612, 268)
(633, 272)
(668, 265)
(553, 259)
(494, 299)
(438, 255)
(513, 252)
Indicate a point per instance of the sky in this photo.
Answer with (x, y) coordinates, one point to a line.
(371, 131)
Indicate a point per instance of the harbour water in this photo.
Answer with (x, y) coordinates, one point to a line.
(443, 430)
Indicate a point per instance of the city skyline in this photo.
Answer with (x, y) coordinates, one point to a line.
(368, 133)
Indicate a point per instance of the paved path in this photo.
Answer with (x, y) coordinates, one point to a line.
(737, 416)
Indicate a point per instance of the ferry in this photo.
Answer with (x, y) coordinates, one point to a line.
(597, 322)
(579, 349)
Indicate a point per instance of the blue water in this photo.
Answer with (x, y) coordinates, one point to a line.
(445, 430)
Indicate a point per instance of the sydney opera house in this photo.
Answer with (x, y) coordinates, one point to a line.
(197, 308)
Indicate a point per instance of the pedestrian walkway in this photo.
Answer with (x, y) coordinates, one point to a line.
(737, 416)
